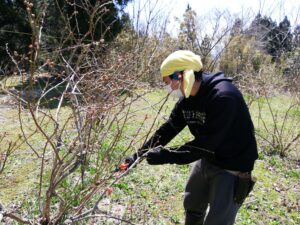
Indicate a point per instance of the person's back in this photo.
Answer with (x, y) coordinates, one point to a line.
(237, 148)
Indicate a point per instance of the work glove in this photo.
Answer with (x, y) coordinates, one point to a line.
(131, 159)
(126, 164)
(158, 155)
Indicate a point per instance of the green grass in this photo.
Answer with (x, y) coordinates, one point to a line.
(21, 172)
(154, 194)
(9, 82)
(275, 195)
(277, 120)
(274, 200)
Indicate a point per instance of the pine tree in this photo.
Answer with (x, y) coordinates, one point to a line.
(15, 30)
(88, 20)
(237, 27)
(187, 35)
(205, 53)
(280, 39)
(274, 40)
(291, 61)
(65, 23)
(285, 35)
(296, 38)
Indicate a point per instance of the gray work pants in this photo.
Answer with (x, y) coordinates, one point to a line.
(208, 196)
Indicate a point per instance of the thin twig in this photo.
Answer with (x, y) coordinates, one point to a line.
(17, 218)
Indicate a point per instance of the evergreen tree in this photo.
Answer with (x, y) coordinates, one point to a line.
(273, 39)
(291, 62)
(87, 20)
(237, 27)
(205, 53)
(296, 39)
(187, 35)
(285, 35)
(280, 39)
(65, 23)
(15, 30)
(259, 29)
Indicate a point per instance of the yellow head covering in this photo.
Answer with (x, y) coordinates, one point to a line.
(182, 60)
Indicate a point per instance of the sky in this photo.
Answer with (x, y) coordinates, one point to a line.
(276, 9)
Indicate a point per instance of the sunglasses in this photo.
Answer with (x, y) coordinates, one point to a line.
(175, 75)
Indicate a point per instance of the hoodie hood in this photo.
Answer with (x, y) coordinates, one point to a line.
(209, 81)
(214, 78)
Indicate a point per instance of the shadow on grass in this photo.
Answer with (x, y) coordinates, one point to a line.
(51, 88)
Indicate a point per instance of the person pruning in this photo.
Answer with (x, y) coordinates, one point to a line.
(224, 146)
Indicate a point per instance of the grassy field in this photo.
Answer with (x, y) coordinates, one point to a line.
(154, 194)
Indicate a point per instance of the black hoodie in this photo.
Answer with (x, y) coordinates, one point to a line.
(219, 119)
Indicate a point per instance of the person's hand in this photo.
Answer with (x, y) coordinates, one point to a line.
(157, 156)
(131, 159)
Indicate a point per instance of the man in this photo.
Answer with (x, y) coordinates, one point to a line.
(224, 145)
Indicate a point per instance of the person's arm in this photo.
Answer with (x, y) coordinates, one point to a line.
(167, 131)
(220, 117)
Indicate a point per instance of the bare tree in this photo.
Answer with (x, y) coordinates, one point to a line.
(85, 135)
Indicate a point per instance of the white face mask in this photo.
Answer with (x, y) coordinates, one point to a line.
(176, 93)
